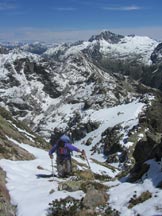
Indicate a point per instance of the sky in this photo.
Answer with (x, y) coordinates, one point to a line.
(72, 20)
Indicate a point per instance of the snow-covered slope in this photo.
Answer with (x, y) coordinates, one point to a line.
(32, 195)
(130, 46)
(109, 45)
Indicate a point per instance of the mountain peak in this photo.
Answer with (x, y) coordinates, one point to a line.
(108, 36)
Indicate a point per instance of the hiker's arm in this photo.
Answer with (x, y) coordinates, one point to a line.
(73, 148)
(51, 151)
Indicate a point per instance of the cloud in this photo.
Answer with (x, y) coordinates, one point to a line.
(5, 6)
(125, 8)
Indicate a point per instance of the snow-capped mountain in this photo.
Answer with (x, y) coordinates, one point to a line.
(93, 90)
(37, 47)
(110, 45)
(32, 88)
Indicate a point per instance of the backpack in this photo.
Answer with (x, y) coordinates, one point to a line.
(54, 138)
(62, 150)
(65, 138)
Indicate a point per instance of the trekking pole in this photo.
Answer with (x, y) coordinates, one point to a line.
(89, 166)
(87, 162)
(52, 168)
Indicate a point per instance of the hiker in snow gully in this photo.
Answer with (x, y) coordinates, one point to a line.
(63, 149)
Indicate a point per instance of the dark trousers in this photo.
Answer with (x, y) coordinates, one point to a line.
(64, 166)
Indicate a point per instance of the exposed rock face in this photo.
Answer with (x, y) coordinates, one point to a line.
(6, 209)
(154, 114)
(111, 140)
(32, 69)
(80, 130)
(156, 56)
(151, 145)
(107, 36)
(152, 76)
(149, 148)
(95, 198)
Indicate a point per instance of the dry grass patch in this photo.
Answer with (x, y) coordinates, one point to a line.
(140, 199)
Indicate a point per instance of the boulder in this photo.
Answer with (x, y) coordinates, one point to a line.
(94, 198)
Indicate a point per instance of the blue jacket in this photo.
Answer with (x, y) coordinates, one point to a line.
(69, 146)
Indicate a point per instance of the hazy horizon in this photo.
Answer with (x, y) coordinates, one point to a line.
(73, 20)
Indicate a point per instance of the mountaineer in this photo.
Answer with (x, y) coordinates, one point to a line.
(55, 135)
(63, 149)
